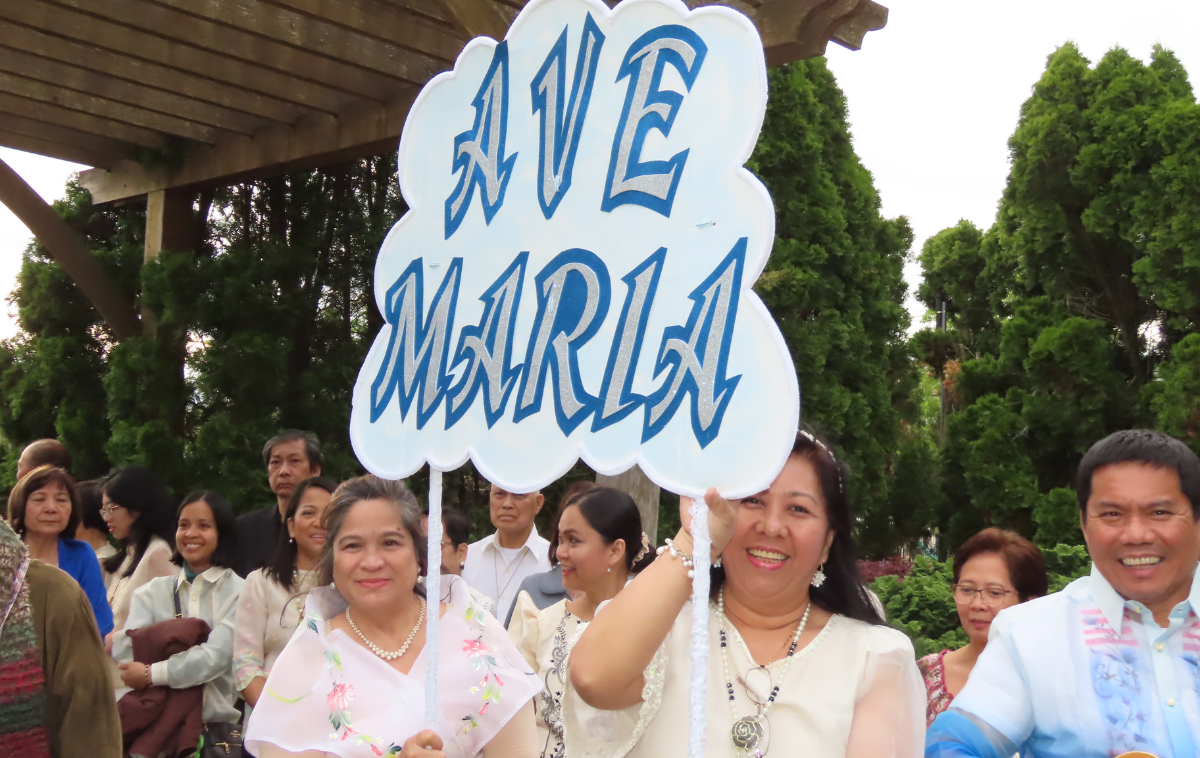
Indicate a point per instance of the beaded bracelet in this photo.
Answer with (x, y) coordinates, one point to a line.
(669, 546)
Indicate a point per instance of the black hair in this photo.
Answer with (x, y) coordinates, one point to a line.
(843, 591)
(91, 500)
(569, 497)
(223, 520)
(615, 516)
(1145, 446)
(312, 445)
(140, 491)
(456, 526)
(282, 566)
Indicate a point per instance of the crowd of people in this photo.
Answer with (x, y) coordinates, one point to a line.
(132, 625)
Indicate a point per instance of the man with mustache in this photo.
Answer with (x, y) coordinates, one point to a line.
(1112, 663)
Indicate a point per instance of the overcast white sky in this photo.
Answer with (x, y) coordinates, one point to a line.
(933, 98)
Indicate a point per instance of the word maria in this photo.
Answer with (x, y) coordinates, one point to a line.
(573, 294)
(480, 153)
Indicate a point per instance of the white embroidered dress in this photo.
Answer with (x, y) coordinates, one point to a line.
(267, 617)
(853, 691)
(329, 694)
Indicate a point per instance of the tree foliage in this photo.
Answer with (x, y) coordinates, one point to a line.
(1074, 315)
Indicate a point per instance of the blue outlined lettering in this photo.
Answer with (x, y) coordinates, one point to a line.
(488, 349)
(573, 292)
(697, 354)
(416, 354)
(616, 393)
(630, 180)
(479, 152)
(561, 128)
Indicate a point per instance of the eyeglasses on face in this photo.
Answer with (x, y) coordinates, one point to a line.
(110, 509)
(992, 596)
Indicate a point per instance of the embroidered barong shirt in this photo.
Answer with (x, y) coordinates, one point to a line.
(1082, 673)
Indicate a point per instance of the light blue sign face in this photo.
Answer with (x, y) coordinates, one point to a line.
(574, 276)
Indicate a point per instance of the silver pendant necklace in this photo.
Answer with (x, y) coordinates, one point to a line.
(384, 654)
(749, 732)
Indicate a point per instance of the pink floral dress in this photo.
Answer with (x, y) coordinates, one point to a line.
(328, 693)
(933, 671)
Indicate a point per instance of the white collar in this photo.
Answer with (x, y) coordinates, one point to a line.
(532, 541)
(1112, 605)
(212, 575)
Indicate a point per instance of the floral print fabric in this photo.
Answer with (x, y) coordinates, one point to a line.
(933, 671)
(328, 693)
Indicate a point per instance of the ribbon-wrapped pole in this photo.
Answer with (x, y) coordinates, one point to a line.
(700, 589)
(433, 592)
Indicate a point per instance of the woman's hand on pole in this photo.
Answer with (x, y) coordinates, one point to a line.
(722, 518)
(424, 744)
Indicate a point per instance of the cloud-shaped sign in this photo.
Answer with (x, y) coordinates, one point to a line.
(573, 278)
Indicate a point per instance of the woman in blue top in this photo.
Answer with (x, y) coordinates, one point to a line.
(44, 507)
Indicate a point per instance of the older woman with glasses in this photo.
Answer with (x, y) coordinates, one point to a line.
(993, 570)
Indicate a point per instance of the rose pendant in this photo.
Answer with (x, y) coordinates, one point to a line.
(747, 732)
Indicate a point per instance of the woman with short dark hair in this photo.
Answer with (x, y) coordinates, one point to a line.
(351, 681)
(799, 659)
(204, 587)
(993, 570)
(43, 509)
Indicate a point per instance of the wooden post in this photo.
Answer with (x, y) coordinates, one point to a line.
(643, 491)
(168, 227)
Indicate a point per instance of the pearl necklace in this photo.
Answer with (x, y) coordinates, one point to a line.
(748, 731)
(384, 654)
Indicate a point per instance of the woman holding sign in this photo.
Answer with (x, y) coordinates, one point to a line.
(799, 659)
(351, 680)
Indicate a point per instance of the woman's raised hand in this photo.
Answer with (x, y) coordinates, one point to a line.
(722, 518)
(424, 744)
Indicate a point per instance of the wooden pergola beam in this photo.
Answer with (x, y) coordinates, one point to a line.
(478, 18)
(371, 130)
(137, 44)
(793, 30)
(68, 251)
(84, 122)
(147, 73)
(111, 150)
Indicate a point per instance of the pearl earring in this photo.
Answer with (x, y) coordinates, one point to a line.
(608, 570)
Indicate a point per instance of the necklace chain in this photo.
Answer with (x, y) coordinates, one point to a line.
(747, 730)
(384, 654)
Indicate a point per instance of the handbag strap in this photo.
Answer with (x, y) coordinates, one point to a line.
(178, 611)
(18, 582)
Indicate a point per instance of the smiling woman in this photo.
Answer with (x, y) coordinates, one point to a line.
(351, 680)
(43, 509)
(206, 589)
(787, 586)
(272, 603)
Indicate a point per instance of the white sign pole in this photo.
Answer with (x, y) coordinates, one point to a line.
(700, 589)
(433, 592)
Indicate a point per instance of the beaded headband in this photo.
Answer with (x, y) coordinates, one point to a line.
(808, 436)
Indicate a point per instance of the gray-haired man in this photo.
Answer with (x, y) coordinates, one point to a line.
(290, 457)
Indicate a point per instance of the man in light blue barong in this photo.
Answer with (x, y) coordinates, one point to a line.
(1111, 664)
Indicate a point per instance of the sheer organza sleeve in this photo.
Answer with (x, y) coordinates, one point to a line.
(249, 631)
(524, 629)
(889, 710)
(592, 733)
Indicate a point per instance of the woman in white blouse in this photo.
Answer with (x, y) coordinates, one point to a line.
(799, 661)
(205, 588)
(272, 601)
(600, 544)
(138, 512)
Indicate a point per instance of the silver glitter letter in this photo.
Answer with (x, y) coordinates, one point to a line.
(697, 354)
(651, 184)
